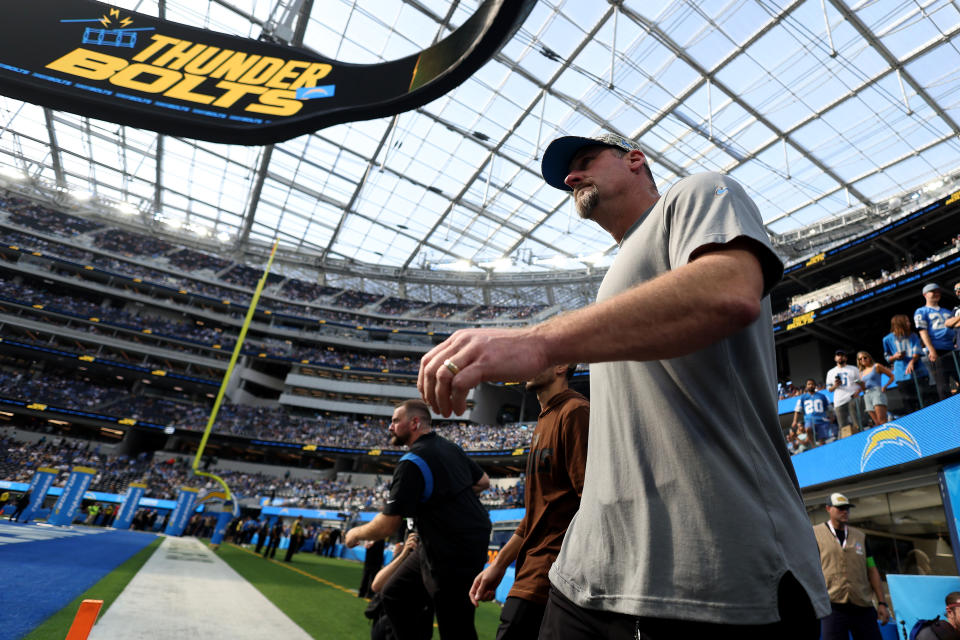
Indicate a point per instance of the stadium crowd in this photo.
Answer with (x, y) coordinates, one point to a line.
(165, 475)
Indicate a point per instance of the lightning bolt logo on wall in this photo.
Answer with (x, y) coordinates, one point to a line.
(890, 436)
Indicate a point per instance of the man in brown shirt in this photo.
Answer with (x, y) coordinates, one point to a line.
(554, 484)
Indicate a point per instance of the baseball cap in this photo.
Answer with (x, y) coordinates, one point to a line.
(839, 500)
(930, 286)
(840, 352)
(556, 159)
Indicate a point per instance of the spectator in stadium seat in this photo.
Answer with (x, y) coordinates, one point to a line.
(875, 391)
(555, 468)
(682, 412)
(931, 320)
(903, 349)
(436, 484)
(844, 381)
(813, 406)
(851, 575)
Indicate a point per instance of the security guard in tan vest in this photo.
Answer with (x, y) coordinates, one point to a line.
(851, 575)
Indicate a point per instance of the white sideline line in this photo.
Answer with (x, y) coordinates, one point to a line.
(185, 591)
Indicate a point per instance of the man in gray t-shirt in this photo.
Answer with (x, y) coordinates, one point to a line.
(691, 515)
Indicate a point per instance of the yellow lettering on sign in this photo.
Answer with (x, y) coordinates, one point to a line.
(37, 406)
(373, 452)
(953, 197)
(180, 69)
(159, 372)
(262, 71)
(86, 358)
(130, 78)
(184, 90)
(127, 421)
(308, 78)
(801, 320)
(517, 452)
(309, 447)
(820, 257)
(159, 42)
(91, 65)
(290, 70)
(277, 102)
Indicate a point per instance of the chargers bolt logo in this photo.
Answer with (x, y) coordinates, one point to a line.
(891, 435)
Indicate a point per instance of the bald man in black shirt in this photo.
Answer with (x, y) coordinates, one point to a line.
(437, 485)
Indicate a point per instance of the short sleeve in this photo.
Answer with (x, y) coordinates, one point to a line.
(475, 471)
(799, 407)
(405, 490)
(920, 319)
(575, 434)
(709, 210)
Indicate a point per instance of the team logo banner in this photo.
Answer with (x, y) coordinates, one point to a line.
(128, 509)
(68, 504)
(181, 513)
(927, 432)
(95, 60)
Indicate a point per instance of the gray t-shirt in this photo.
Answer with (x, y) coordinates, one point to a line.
(691, 508)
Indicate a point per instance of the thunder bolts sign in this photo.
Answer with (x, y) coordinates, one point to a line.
(95, 60)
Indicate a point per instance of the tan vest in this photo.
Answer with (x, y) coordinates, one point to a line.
(845, 569)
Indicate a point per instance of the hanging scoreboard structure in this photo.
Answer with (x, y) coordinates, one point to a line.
(95, 60)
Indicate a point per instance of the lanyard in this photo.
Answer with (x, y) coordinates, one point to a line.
(843, 545)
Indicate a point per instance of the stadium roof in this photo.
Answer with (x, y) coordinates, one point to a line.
(818, 107)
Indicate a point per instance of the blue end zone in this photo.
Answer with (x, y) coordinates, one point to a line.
(43, 568)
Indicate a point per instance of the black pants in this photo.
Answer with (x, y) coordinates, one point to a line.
(270, 551)
(520, 619)
(942, 370)
(416, 585)
(860, 622)
(564, 619)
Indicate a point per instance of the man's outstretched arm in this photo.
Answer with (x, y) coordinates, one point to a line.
(682, 311)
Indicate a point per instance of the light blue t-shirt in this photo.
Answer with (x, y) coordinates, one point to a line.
(934, 320)
(909, 346)
(813, 406)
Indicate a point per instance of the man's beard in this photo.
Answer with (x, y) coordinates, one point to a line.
(395, 441)
(586, 200)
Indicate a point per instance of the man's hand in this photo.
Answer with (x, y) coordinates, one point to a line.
(884, 613)
(485, 585)
(351, 539)
(909, 369)
(932, 356)
(481, 355)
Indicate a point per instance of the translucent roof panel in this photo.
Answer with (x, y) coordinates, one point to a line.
(816, 107)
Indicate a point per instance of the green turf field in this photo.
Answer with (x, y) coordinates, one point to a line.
(107, 589)
(319, 594)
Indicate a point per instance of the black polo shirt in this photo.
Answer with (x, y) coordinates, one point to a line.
(452, 524)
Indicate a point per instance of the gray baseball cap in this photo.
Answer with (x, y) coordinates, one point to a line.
(932, 286)
(556, 159)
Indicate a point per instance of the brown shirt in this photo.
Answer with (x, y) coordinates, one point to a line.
(554, 484)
